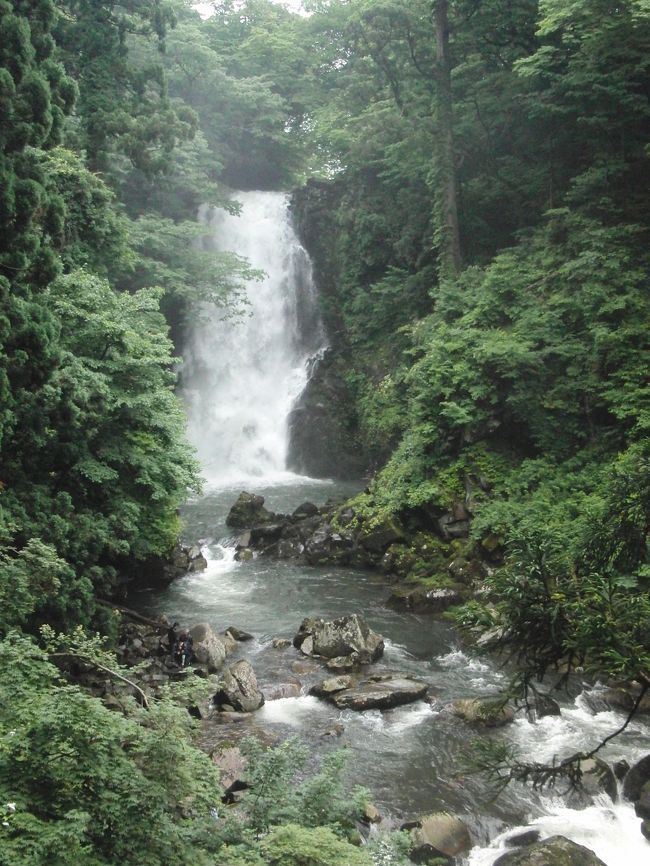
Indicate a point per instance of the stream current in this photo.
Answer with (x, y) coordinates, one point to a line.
(239, 381)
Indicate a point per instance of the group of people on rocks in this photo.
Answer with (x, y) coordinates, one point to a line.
(181, 645)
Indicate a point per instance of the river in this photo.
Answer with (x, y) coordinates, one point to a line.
(239, 382)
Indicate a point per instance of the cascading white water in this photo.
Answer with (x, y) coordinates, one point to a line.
(241, 376)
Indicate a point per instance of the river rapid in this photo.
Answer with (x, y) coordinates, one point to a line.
(239, 381)
(410, 758)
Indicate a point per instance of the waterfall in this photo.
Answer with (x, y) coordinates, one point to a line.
(241, 376)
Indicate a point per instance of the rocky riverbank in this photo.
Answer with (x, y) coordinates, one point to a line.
(428, 569)
(349, 648)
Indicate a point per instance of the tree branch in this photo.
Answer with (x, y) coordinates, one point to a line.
(91, 661)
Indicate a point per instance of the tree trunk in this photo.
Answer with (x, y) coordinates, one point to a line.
(447, 230)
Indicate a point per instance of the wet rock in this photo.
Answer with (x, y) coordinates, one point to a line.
(280, 643)
(621, 769)
(282, 690)
(635, 780)
(266, 535)
(289, 548)
(418, 598)
(248, 511)
(377, 538)
(642, 805)
(444, 833)
(307, 509)
(331, 686)
(322, 442)
(393, 691)
(645, 829)
(244, 554)
(546, 706)
(556, 851)
(228, 641)
(304, 667)
(244, 540)
(326, 545)
(621, 697)
(524, 837)
(450, 527)
(239, 689)
(344, 663)
(335, 731)
(209, 649)
(231, 763)
(484, 713)
(197, 562)
(371, 814)
(339, 637)
(597, 778)
(238, 635)
(181, 560)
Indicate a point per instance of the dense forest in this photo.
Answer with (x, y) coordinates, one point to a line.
(472, 180)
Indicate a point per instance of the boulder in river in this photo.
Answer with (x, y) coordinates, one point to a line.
(555, 851)
(636, 778)
(328, 545)
(377, 693)
(331, 686)
(346, 636)
(597, 778)
(239, 689)
(238, 635)
(438, 835)
(483, 712)
(209, 648)
(423, 599)
(248, 511)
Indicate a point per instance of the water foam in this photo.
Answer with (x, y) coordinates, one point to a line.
(610, 830)
(241, 376)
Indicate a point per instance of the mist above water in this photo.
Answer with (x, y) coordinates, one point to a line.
(241, 376)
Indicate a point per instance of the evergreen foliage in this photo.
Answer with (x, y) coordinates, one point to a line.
(516, 384)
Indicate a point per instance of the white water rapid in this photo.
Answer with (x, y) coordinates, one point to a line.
(241, 376)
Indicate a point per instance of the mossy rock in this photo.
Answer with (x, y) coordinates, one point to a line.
(555, 851)
(248, 511)
(420, 599)
(376, 536)
(483, 713)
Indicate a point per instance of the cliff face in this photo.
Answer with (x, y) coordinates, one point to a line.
(324, 436)
(323, 439)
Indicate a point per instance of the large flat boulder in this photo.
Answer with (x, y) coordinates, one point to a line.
(555, 851)
(372, 694)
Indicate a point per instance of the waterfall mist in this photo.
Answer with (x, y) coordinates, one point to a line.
(240, 377)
